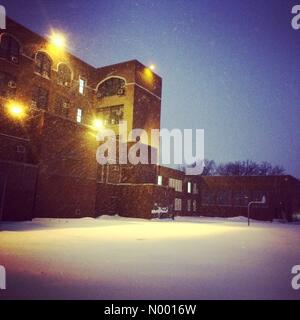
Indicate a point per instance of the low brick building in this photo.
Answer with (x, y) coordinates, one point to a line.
(230, 196)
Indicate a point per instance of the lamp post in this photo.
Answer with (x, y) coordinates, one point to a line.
(262, 201)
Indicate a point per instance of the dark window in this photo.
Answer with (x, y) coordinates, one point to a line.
(258, 196)
(208, 198)
(20, 153)
(43, 64)
(8, 85)
(64, 75)
(223, 198)
(111, 115)
(62, 106)
(241, 198)
(40, 98)
(111, 87)
(9, 48)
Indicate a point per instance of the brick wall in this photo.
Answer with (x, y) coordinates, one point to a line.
(17, 191)
(132, 200)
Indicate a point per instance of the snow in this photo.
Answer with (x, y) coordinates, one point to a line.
(122, 258)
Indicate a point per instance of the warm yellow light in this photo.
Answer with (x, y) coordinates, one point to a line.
(16, 110)
(152, 67)
(58, 40)
(98, 124)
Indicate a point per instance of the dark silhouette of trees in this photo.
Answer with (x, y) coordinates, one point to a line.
(242, 168)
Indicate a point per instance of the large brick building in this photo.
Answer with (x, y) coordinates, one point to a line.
(48, 164)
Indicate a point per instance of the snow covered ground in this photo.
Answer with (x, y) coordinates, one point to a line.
(119, 258)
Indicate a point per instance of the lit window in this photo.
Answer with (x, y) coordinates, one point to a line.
(189, 187)
(159, 180)
(175, 184)
(79, 115)
(111, 115)
(43, 64)
(81, 85)
(177, 204)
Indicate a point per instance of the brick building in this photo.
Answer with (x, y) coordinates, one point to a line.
(47, 155)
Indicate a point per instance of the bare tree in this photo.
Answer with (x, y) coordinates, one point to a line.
(210, 168)
(249, 168)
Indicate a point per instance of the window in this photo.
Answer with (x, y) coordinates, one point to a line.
(40, 98)
(194, 205)
(189, 205)
(241, 198)
(43, 64)
(8, 85)
(9, 48)
(195, 188)
(189, 187)
(111, 115)
(62, 106)
(208, 198)
(175, 184)
(81, 86)
(79, 115)
(223, 198)
(258, 196)
(20, 153)
(159, 180)
(64, 75)
(111, 87)
(177, 204)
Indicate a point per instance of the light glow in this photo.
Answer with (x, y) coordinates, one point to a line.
(16, 110)
(98, 124)
(152, 67)
(58, 40)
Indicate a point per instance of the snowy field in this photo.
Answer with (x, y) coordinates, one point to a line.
(119, 258)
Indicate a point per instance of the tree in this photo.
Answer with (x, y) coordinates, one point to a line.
(249, 168)
(210, 168)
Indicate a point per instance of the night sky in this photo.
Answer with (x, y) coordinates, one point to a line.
(230, 67)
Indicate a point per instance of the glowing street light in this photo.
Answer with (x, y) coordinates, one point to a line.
(16, 110)
(98, 124)
(58, 40)
(152, 67)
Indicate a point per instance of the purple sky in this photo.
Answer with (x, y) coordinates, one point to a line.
(230, 67)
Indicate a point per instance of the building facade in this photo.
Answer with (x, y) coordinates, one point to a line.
(49, 101)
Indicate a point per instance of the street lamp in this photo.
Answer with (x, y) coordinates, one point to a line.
(97, 124)
(152, 67)
(58, 40)
(16, 110)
